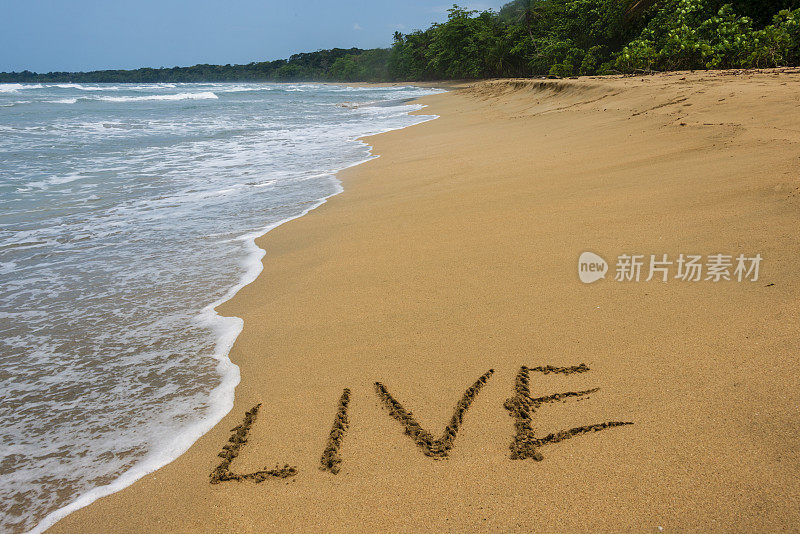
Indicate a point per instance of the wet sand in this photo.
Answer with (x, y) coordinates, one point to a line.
(455, 253)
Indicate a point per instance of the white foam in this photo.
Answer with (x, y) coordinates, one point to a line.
(85, 87)
(7, 267)
(246, 88)
(14, 87)
(66, 86)
(10, 87)
(58, 180)
(206, 95)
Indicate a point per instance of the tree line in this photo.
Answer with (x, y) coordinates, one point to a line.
(334, 64)
(527, 38)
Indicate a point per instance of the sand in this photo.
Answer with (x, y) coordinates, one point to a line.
(455, 253)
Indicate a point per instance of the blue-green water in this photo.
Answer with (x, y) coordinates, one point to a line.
(126, 213)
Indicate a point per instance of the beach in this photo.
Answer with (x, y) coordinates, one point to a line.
(456, 252)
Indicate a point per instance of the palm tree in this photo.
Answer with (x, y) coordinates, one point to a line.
(527, 12)
(638, 7)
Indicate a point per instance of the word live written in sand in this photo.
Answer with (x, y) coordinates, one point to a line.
(521, 407)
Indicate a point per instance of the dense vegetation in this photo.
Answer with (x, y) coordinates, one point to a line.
(529, 38)
(572, 37)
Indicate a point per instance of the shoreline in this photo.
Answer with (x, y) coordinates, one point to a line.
(226, 336)
(389, 283)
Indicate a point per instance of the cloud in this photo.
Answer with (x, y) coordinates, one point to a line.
(357, 26)
(400, 27)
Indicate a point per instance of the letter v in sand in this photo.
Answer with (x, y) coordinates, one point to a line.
(435, 448)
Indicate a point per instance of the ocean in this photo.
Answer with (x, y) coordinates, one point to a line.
(127, 212)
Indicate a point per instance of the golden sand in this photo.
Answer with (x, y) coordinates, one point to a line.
(455, 253)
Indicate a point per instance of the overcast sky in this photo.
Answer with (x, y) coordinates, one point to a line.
(55, 35)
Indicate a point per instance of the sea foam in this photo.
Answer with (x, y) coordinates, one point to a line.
(204, 95)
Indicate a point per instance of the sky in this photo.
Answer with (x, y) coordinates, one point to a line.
(79, 35)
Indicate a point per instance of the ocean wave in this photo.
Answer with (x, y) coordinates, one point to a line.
(249, 88)
(85, 87)
(205, 95)
(67, 86)
(10, 87)
(106, 87)
(245, 89)
(14, 87)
